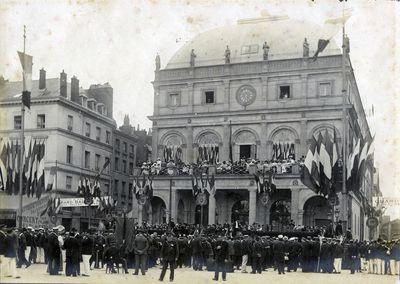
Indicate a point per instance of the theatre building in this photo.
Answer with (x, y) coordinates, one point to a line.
(254, 86)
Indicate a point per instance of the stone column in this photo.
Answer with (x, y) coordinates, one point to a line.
(252, 205)
(303, 139)
(269, 149)
(211, 210)
(156, 99)
(190, 88)
(189, 150)
(140, 215)
(263, 142)
(226, 94)
(174, 204)
(225, 142)
(154, 142)
(294, 206)
(264, 82)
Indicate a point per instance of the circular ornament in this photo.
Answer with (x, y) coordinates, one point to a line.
(201, 199)
(264, 199)
(246, 95)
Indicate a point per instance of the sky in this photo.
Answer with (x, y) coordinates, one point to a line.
(116, 42)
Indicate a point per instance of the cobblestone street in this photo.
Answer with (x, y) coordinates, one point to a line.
(36, 274)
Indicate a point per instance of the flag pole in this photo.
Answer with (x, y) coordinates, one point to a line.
(344, 121)
(21, 166)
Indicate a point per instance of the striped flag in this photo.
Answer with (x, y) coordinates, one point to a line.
(40, 170)
(3, 163)
(308, 175)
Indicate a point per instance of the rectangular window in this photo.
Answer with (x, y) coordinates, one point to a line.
(123, 188)
(284, 92)
(132, 149)
(125, 147)
(41, 121)
(209, 97)
(70, 122)
(17, 122)
(68, 183)
(98, 133)
(108, 137)
(106, 160)
(124, 166)
(116, 164)
(325, 89)
(174, 99)
(117, 144)
(107, 188)
(131, 168)
(116, 187)
(69, 154)
(87, 159)
(87, 129)
(97, 162)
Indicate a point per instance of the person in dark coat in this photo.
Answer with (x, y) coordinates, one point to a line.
(72, 254)
(183, 244)
(221, 255)
(53, 253)
(256, 253)
(87, 245)
(279, 254)
(237, 248)
(21, 250)
(294, 254)
(169, 256)
(352, 251)
(141, 245)
(98, 251)
(197, 251)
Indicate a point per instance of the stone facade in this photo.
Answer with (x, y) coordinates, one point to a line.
(252, 106)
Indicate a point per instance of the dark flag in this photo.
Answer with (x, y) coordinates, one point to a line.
(26, 99)
(322, 43)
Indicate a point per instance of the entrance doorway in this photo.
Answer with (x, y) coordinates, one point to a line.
(197, 216)
(240, 212)
(316, 212)
(245, 151)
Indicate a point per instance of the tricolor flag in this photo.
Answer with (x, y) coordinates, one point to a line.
(40, 170)
(51, 179)
(3, 163)
(309, 176)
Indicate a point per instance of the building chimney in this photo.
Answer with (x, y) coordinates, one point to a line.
(63, 84)
(42, 79)
(74, 89)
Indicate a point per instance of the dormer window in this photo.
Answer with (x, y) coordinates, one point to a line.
(284, 92)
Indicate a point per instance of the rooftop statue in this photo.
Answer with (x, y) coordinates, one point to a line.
(192, 58)
(306, 48)
(227, 55)
(266, 51)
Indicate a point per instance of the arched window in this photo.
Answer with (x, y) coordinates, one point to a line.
(283, 145)
(173, 148)
(208, 148)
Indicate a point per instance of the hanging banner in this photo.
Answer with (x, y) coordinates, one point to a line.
(77, 202)
(385, 201)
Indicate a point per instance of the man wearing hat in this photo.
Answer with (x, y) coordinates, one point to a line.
(72, 254)
(140, 245)
(279, 254)
(21, 249)
(221, 255)
(3, 249)
(11, 253)
(169, 256)
(53, 252)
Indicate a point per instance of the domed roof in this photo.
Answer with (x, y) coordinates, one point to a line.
(285, 38)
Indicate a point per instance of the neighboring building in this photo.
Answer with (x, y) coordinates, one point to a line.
(78, 128)
(257, 98)
(124, 161)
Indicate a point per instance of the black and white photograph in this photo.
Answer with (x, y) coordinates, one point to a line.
(199, 141)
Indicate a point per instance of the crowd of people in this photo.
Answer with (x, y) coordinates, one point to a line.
(242, 166)
(219, 248)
